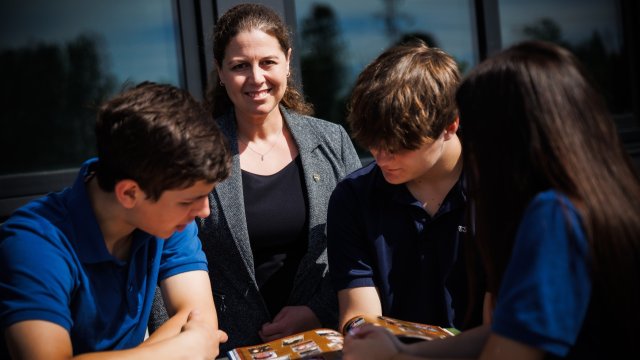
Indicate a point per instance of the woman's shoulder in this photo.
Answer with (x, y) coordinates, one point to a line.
(305, 125)
(311, 120)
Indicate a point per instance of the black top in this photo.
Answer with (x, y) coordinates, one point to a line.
(276, 212)
(379, 236)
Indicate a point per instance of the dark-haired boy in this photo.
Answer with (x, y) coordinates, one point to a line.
(395, 228)
(79, 267)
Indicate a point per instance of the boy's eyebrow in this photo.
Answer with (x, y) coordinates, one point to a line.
(197, 197)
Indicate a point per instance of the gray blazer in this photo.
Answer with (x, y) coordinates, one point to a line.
(327, 155)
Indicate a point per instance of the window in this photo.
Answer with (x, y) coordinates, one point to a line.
(58, 65)
(61, 59)
(591, 29)
(337, 39)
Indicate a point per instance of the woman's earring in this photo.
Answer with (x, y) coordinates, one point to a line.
(289, 74)
(221, 83)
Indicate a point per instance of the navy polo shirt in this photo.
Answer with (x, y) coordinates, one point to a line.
(379, 235)
(54, 266)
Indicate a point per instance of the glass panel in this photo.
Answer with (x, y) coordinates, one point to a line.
(591, 29)
(60, 59)
(338, 38)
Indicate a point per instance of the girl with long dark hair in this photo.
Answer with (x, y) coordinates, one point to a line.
(557, 209)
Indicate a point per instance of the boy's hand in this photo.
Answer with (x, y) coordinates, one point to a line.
(369, 342)
(201, 342)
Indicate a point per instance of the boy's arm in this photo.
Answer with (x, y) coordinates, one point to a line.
(358, 301)
(38, 339)
(349, 255)
(191, 332)
(183, 293)
(372, 342)
(475, 343)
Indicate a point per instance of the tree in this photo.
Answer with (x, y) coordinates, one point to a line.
(48, 97)
(393, 18)
(606, 68)
(322, 70)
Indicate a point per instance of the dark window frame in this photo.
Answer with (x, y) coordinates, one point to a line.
(489, 41)
(195, 20)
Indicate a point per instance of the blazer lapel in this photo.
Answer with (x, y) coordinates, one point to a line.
(307, 142)
(232, 199)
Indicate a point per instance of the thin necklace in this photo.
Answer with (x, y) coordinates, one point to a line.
(262, 155)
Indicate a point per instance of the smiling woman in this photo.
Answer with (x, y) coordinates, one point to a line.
(264, 238)
(254, 73)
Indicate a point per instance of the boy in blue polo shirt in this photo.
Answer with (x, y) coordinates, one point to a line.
(396, 227)
(78, 268)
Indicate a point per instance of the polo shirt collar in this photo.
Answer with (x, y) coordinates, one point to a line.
(396, 192)
(456, 197)
(87, 237)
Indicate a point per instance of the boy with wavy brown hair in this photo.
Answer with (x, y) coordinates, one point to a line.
(396, 227)
(80, 267)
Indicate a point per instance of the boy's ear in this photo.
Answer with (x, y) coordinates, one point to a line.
(128, 193)
(452, 129)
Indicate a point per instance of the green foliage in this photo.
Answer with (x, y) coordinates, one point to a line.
(48, 97)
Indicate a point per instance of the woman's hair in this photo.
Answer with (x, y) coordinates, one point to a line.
(403, 97)
(532, 121)
(244, 18)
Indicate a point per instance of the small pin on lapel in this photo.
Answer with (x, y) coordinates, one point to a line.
(316, 177)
